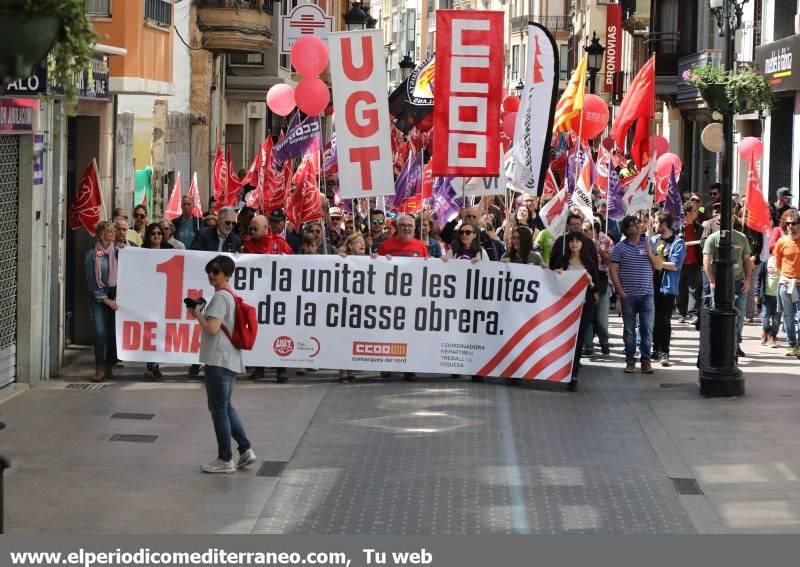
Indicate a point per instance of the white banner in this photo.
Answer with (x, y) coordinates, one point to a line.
(358, 77)
(407, 314)
(535, 116)
(480, 186)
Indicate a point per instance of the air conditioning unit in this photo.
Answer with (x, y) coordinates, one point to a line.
(256, 110)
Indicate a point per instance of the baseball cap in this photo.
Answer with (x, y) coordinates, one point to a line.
(784, 192)
(277, 215)
(335, 212)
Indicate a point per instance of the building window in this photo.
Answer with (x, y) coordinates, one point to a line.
(514, 62)
(158, 12)
(98, 8)
(563, 62)
(246, 59)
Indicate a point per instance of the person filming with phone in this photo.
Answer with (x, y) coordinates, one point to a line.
(223, 362)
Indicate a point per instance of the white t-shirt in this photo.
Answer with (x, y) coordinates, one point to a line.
(217, 350)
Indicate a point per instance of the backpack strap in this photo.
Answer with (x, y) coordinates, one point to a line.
(224, 330)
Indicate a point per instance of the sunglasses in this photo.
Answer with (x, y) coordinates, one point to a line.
(377, 221)
(215, 271)
(156, 234)
(790, 223)
(466, 232)
(140, 216)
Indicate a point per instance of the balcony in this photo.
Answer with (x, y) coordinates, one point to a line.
(552, 23)
(235, 25)
(684, 91)
(635, 15)
(751, 38)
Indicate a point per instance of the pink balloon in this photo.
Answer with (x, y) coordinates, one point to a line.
(659, 144)
(595, 117)
(751, 149)
(312, 96)
(511, 104)
(664, 165)
(281, 99)
(508, 124)
(309, 56)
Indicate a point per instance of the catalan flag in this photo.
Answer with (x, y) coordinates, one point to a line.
(571, 102)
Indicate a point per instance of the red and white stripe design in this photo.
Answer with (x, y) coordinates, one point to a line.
(544, 346)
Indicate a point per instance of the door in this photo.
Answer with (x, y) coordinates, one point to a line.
(9, 192)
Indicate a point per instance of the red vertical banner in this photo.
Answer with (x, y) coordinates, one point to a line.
(613, 45)
(468, 93)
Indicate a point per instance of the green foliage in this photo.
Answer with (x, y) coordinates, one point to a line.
(72, 51)
(744, 88)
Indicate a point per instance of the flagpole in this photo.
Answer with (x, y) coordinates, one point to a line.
(100, 188)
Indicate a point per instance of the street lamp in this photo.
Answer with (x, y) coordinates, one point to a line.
(721, 377)
(520, 86)
(594, 61)
(356, 18)
(406, 66)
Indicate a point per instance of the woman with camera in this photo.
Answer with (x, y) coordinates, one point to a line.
(223, 362)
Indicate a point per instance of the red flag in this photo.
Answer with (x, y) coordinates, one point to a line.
(306, 202)
(427, 182)
(278, 187)
(258, 196)
(87, 202)
(637, 106)
(758, 217)
(226, 184)
(174, 206)
(144, 199)
(602, 166)
(550, 186)
(194, 194)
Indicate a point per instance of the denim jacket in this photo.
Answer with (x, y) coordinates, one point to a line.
(99, 293)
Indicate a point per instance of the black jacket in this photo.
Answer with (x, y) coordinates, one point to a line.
(208, 239)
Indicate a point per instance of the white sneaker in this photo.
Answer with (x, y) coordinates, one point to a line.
(246, 459)
(219, 466)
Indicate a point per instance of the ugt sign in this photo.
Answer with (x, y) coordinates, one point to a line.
(468, 93)
(358, 77)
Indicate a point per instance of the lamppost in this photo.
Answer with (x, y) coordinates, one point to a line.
(406, 66)
(356, 18)
(594, 61)
(519, 87)
(721, 377)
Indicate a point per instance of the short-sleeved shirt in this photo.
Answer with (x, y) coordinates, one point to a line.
(412, 249)
(635, 270)
(787, 257)
(673, 250)
(186, 232)
(218, 350)
(741, 248)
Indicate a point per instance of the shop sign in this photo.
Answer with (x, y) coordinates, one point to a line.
(16, 115)
(92, 83)
(304, 20)
(776, 61)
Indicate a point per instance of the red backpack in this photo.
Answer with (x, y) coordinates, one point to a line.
(245, 325)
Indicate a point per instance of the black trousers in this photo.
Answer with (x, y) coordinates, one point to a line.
(662, 322)
(691, 283)
(587, 315)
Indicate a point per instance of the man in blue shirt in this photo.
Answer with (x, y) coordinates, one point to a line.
(671, 248)
(632, 264)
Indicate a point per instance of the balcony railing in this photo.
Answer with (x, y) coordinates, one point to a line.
(98, 8)
(686, 92)
(229, 26)
(751, 38)
(552, 23)
(265, 5)
(158, 12)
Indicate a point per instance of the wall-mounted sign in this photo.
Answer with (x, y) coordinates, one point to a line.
(776, 61)
(16, 115)
(613, 45)
(92, 84)
(303, 20)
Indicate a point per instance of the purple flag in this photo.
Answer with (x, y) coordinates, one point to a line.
(616, 207)
(674, 203)
(446, 200)
(580, 155)
(329, 156)
(300, 139)
(409, 182)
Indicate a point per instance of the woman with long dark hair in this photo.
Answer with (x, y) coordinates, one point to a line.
(521, 249)
(154, 238)
(467, 245)
(580, 257)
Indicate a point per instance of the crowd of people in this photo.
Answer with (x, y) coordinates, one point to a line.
(648, 267)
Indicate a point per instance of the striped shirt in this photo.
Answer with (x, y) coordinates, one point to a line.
(635, 269)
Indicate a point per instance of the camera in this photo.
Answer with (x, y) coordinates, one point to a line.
(191, 303)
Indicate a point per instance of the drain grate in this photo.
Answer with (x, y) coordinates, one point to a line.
(271, 468)
(131, 415)
(686, 486)
(676, 385)
(133, 438)
(80, 386)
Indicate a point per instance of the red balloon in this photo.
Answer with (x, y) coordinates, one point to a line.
(281, 99)
(664, 165)
(751, 149)
(511, 104)
(508, 124)
(312, 96)
(425, 124)
(659, 144)
(309, 56)
(595, 117)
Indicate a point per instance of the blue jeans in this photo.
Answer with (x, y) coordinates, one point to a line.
(643, 306)
(740, 302)
(790, 311)
(770, 320)
(599, 322)
(219, 388)
(105, 334)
